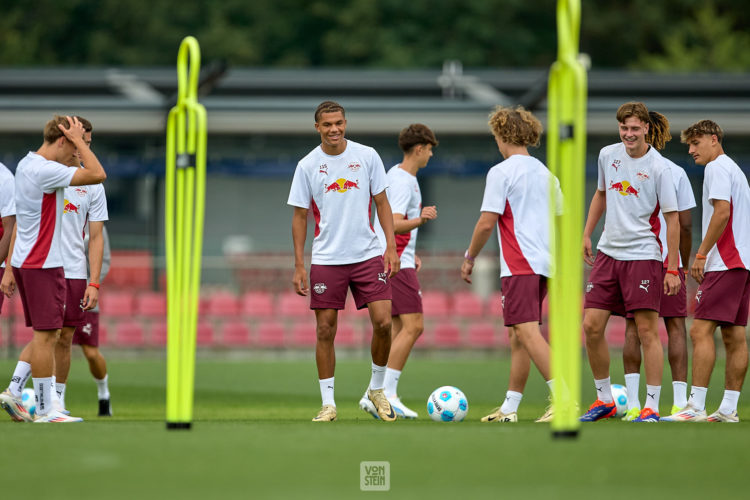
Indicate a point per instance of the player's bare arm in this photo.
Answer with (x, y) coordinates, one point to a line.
(716, 226)
(403, 226)
(299, 234)
(92, 171)
(596, 210)
(8, 283)
(96, 256)
(482, 232)
(686, 236)
(672, 283)
(9, 223)
(392, 262)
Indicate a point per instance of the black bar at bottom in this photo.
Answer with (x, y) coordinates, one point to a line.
(565, 434)
(178, 425)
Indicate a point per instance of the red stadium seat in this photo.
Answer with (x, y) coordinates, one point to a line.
(467, 305)
(616, 331)
(151, 304)
(350, 309)
(257, 305)
(16, 307)
(484, 335)
(495, 304)
(270, 334)
(303, 334)
(447, 335)
(204, 334)
(158, 335)
(117, 304)
(22, 334)
(435, 304)
(235, 334)
(292, 305)
(129, 334)
(223, 304)
(347, 335)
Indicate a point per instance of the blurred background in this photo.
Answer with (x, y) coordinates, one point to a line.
(265, 67)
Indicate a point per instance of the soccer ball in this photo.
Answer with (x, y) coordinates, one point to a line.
(447, 404)
(620, 395)
(28, 400)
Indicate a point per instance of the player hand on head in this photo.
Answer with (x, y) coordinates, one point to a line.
(300, 281)
(8, 284)
(428, 213)
(74, 133)
(588, 253)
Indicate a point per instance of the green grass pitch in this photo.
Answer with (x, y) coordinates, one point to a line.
(252, 438)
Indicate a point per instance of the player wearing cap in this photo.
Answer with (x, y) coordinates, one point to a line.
(634, 184)
(722, 268)
(337, 182)
(516, 201)
(416, 141)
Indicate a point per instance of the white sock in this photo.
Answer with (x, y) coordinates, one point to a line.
(512, 400)
(102, 387)
(60, 390)
(551, 386)
(378, 377)
(632, 384)
(698, 397)
(679, 392)
(391, 382)
(326, 391)
(729, 403)
(652, 397)
(20, 376)
(43, 393)
(604, 390)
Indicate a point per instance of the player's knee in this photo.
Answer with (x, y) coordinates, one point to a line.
(381, 327)
(592, 330)
(325, 332)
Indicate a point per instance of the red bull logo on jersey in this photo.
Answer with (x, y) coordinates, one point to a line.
(624, 188)
(69, 207)
(342, 186)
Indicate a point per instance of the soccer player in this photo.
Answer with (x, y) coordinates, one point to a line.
(337, 181)
(7, 213)
(516, 200)
(87, 337)
(405, 198)
(37, 263)
(721, 267)
(634, 183)
(672, 308)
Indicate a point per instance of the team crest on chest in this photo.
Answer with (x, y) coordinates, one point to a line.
(354, 167)
(642, 175)
(80, 191)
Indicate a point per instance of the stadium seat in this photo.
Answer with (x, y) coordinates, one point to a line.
(22, 334)
(223, 304)
(270, 334)
(151, 304)
(292, 305)
(131, 269)
(235, 334)
(495, 304)
(467, 305)
(483, 335)
(435, 304)
(347, 335)
(447, 335)
(158, 337)
(129, 334)
(16, 307)
(350, 310)
(205, 334)
(117, 304)
(615, 331)
(257, 305)
(303, 334)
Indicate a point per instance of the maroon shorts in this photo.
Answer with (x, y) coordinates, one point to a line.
(672, 306)
(367, 280)
(407, 293)
(42, 293)
(724, 297)
(522, 298)
(74, 291)
(88, 333)
(621, 286)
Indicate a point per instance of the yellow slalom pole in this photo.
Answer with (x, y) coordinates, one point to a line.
(566, 156)
(185, 196)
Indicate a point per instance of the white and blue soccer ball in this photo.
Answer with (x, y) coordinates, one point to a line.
(28, 400)
(620, 395)
(447, 404)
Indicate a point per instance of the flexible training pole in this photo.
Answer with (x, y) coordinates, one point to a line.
(566, 157)
(184, 207)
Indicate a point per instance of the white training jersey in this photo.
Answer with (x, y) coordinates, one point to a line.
(82, 204)
(518, 189)
(7, 197)
(39, 206)
(685, 201)
(405, 198)
(636, 190)
(339, 189)
(723, 180)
